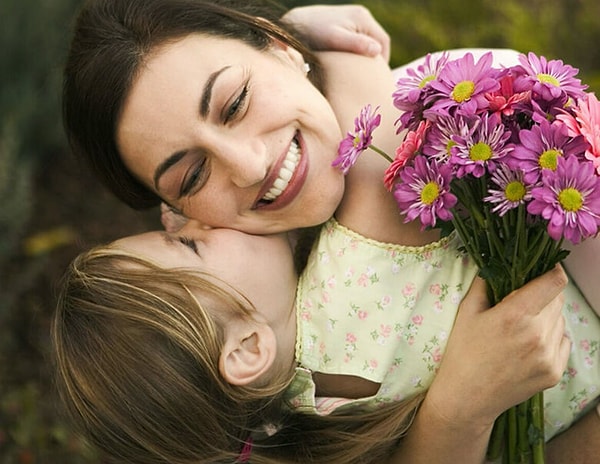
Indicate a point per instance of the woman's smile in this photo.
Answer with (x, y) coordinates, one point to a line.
(289, 174)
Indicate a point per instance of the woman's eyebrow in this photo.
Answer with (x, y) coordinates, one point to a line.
(166, 165)
(207, 92)
(204, 107)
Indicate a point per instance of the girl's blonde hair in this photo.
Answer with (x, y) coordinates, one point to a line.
(136, 349)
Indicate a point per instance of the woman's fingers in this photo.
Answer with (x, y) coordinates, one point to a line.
(499, 357)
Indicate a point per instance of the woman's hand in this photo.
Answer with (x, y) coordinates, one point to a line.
(349, 28)
(499, 357)
(496, 358)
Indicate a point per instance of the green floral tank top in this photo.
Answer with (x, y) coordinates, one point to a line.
(384, 312)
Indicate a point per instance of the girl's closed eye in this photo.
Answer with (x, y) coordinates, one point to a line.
(190, 243)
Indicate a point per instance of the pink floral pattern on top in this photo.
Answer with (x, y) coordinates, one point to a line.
(384, 312)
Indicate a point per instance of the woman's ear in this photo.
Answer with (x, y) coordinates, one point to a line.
(287, 52)
(248, 353)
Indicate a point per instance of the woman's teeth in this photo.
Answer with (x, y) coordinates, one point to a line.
(285, 173)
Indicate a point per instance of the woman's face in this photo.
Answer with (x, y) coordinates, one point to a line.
(232, 136)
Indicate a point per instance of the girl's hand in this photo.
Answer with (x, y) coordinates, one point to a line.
(499, 357)
(349, 28)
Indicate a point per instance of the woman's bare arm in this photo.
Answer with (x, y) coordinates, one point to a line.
(582, 266)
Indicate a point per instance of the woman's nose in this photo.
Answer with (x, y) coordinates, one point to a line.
(246, 163)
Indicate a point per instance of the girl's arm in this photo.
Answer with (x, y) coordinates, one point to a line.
(368, 208)
(583, 267)
(578, 444)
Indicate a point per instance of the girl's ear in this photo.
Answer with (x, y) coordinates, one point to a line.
(248, 353)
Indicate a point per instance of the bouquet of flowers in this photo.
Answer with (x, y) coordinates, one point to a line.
(509, 158)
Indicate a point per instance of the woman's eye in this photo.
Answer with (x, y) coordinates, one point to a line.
(188, 242)
(237, 105)
(192, 180)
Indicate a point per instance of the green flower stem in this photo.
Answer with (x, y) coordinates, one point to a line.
(537, 414)
(381, 152)
(522, 427)
(465, 237)
(509, 251)
(520, 241)
(512, 434)
(496, 443)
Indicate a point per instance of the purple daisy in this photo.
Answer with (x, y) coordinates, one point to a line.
(358, 141)
(547, 110)
(541, 146)
(409, 89)
(482, 148)
(549, 79)
(440, 137)
(424, 192)
(569, 199)
(462, 85)
(511, 190)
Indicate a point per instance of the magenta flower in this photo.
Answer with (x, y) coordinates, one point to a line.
(424, 192)
(462, 85)
(541, 146)
(482, 148)
(409, 89)
(569, 199)
(549, 79)
(407, 150)
(440, 138)
(511, 190)
(586, 122)
(547, 110)
(358, 141)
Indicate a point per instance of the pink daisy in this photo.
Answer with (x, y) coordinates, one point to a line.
(358, 141)
(462, 85)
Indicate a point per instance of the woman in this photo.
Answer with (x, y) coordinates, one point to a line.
(147, 149)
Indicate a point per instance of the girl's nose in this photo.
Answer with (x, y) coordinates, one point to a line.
(193, 228)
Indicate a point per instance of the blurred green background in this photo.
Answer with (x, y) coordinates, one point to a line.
(50, 208)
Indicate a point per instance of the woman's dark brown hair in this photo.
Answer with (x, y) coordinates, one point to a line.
(111, 41)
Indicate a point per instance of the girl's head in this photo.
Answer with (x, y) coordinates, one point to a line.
(160, 361)
(207, 105)
(139, 351)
